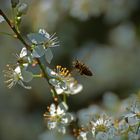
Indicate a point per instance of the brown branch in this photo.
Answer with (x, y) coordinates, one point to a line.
(15, 30)
(57, 99)
(19, 37)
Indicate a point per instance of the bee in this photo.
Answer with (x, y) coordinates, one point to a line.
(82, 68)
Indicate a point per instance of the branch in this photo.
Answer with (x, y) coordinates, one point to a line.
(14, 29)
(19, 37)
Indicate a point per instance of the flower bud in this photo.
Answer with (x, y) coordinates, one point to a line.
(22, 9)
(14, 3)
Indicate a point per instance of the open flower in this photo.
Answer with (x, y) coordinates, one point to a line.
(14, 76)
(133, 114)
(101, 124)
(41, 44)
(100, 127)
(57, 118)
(22, 58)
(63, 82)
(51, 39)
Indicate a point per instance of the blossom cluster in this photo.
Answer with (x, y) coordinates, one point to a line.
(101, 125)
(57, 117)
(63, 82)
(105, 127)
(60, 77)
(37, 52)
(112, 10)
(41, 43)
(17, 73)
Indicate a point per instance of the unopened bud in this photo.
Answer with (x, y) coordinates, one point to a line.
(15, 36)
(18, 20)
(22, 9)
(14, 3)
(55, 99)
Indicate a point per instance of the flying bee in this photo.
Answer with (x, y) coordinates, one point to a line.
(82, 68)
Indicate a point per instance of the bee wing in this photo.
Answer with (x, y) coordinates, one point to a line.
(23, 52)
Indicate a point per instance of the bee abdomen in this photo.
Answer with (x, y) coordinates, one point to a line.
(86, 72)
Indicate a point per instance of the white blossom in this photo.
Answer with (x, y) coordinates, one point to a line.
(23, 59)
(63, 82)
(14, 76)
(51, 40)
(57, 118)
(103, 123)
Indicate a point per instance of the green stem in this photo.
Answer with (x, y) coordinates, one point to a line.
(28, 47)
(15, 31)
(37, 75)
(138, 128)
(13, 15)
(65, 98)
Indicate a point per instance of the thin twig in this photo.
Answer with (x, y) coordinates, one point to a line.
(19, 37)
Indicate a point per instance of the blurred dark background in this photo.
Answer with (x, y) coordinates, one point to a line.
(104, 34)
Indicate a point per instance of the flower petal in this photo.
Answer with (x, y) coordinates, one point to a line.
(1, 19)
(24, 86)
(52, 109)
(51, 125)
(48, 55)
(39, 38)
(23, 52)
(59, 90)
(27, 76)
(44, 33)
(18, 70)
(51, 73)
(55, 82)
(38, 51)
